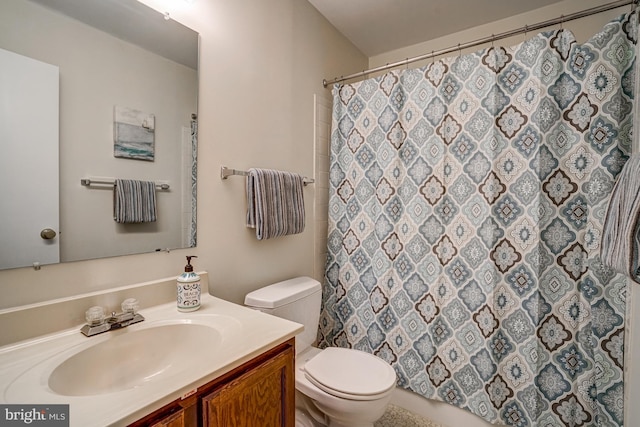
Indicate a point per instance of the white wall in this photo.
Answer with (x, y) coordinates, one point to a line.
(97, 72)
(261, 64)
(582, 29)
(322, 126)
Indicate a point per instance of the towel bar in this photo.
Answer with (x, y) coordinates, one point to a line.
(226, 172)
(87, 182)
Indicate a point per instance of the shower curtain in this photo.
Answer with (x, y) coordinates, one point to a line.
(466, 204)
(193, 173)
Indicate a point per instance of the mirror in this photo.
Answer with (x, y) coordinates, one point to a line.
(117, 62)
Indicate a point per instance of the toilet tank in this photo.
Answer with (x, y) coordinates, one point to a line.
(296, 299)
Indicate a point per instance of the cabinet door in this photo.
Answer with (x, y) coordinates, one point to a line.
(180, 413)
(29, 123)
(261, 397)
(173, 420)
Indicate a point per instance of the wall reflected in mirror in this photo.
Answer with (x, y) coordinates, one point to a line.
(84, 58)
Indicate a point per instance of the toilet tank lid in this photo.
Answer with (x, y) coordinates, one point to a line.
(282, 293)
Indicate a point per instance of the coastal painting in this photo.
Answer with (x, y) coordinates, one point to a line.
(134, 134)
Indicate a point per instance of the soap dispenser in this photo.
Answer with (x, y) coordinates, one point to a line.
(188, 288)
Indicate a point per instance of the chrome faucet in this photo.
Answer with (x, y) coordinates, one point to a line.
(98, 323)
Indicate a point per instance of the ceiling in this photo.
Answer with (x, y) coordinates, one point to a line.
(379, 26)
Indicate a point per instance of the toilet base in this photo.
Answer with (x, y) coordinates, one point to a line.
(352, 413)
(307, 414)
(303, 419)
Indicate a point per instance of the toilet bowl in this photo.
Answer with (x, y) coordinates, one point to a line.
(344, 397)
(335, 387)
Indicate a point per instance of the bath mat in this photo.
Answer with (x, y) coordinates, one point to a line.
(395, 416)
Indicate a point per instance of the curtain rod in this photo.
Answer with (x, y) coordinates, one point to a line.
(490, 39)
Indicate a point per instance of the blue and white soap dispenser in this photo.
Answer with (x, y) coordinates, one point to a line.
(189, 290)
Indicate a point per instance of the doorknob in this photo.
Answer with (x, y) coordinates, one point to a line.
(47, 234)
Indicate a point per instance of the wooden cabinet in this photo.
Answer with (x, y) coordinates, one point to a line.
(177, 419)
(259, 393)
(261, 397)
(179, 413)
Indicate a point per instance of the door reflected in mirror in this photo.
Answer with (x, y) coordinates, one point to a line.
(106, 53)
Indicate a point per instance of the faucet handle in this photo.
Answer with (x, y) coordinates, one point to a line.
(130, 305)
(95, 315)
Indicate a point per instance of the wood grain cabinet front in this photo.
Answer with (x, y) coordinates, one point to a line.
(259, 393)
(177, 419)
(180, 413)
(260, 397)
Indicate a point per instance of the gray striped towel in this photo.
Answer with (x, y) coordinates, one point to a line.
(275, 203)
(621, 232)
(134, 201)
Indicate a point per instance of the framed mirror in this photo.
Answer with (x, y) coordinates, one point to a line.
(86, 72)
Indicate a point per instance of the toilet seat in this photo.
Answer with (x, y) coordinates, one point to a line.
(350, 374)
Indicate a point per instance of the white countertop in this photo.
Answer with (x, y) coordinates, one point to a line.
(25, 367)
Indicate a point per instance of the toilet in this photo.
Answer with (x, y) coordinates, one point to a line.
(335, 387)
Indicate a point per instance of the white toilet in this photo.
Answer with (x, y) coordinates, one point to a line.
(336, 387)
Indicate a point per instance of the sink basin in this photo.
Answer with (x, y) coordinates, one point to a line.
(133, 358)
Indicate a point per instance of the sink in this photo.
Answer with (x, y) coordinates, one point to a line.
(132, 358)
(116, 377)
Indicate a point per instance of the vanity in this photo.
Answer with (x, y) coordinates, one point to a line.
(222, 365)
(258, 393)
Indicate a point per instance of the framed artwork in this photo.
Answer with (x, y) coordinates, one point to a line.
(133, 134)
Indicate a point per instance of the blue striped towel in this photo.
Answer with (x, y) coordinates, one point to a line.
(275, 203)
(134, 201)
(621, 231)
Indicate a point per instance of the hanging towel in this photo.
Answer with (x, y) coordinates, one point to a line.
(134, 201)
(275, 203)
(621, 232)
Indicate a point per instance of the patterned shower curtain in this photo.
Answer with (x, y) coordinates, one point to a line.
(467, 200)
(193, 241)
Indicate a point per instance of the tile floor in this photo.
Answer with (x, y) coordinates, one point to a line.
(396, 416)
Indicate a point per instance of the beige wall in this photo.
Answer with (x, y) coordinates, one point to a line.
(261, 64)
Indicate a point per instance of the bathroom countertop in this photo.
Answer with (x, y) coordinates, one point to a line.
(25, 367)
